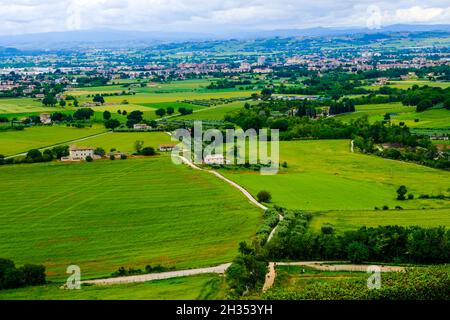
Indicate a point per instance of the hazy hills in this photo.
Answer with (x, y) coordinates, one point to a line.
(118, 38)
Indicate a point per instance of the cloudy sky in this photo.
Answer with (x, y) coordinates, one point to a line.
(208, 16)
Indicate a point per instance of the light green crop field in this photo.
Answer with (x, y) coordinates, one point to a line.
(122, 107)
(177, 86)
(21, 105)
(14, 142)
(352, 220)
(132, 213)
(154, 97)
(432, 118)
(214, 113)
(406, 84)
(201, 287)
(325, 175)
(124, 141)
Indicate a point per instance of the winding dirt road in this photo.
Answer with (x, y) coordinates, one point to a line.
(159, 276)
(322, 266)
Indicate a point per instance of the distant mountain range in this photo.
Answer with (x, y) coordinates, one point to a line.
(117, 38)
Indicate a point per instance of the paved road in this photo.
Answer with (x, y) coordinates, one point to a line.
(61, 144)
(159, 276)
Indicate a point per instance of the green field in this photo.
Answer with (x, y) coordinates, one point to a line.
(125, 141)
(432, 118)
(201, 287)
(351, 220)
(14, 142)
(173, 92)
(107, 214)
(214, 113)
(406, 84)
(21, 105)
(299, 276)
(326, 176)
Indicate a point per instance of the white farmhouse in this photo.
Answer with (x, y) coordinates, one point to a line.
(141, 127)
(79, 154)
(167, 147)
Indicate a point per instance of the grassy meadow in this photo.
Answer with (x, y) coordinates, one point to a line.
(107, 214)
(406, 84)
(14, 142)
(21, 105)
(433, 118)
(214, 113)
(124, 141)
(201, 287)
(352, 220)
(326, 176)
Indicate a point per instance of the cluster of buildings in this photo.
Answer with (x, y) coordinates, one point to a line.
(366, 61)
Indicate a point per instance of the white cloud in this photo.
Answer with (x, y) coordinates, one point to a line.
(26, 16)
(419, 14)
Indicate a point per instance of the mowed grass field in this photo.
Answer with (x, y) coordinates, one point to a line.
(171, 92)
(326, 176)
(214, 113)
(406, 84)
(432, 118)
(352, 220)
(14, 142)
(124, 141)
(21, 105)
(131, 213)
(201, 287)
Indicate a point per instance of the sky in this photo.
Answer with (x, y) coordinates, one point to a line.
(213, 16)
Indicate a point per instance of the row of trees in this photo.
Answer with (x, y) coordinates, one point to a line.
(295, 240)
(35, 155)
(426, 97)
(27, 275)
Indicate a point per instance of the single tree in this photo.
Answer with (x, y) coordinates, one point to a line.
(148, 151)
(160, 112)
(100, 152)
(98, 99)
(401, 192)
(106, 115)
(170, 110)
(138, 145)
(264, 196)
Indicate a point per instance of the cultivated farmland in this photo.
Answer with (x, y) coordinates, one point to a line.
(200, 287)
(14, 142)
(326, 176)
(131, 213)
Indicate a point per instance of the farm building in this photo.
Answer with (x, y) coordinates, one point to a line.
(45, 118)
(141, 127)
(79, 154)
(167, 147)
